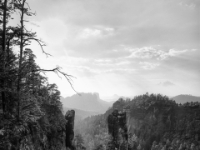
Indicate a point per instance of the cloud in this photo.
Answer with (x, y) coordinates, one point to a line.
(87, 33)
(96, 32)
(155, 53)
(105, 25)
(122, 42)
(173, 52)
(191, 4)
(148, 66)
(146, 52)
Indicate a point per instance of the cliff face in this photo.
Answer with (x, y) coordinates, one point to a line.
(69, 116)
(117, 128)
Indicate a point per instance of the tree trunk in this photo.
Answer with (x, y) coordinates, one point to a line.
(20, 58)
(4, 57)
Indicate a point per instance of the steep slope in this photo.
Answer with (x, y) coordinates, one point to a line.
(186, 98)
(87, 102)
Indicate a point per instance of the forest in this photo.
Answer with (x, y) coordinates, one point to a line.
(146, 122)
(31, 113)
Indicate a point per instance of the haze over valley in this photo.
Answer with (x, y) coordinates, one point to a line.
(90, 104)
(99, 75)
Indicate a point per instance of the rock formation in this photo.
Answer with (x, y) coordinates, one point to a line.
(69, 116)
(117, 128)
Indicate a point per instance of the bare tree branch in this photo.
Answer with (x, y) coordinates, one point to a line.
(28, 5)
(40, 43)
(58, 71)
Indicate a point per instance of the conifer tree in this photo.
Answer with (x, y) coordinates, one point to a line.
(34, 118)
(4, 54)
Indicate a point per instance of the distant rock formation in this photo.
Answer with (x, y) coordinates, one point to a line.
(86, 102)
(186, 98)
(69, 116)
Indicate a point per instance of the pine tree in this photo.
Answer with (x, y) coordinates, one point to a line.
(32, 112)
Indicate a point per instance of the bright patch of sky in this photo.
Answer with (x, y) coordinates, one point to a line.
(121, 47)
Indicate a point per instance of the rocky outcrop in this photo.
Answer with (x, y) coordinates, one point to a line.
(113, 125)
(117, 128)
(69, 116)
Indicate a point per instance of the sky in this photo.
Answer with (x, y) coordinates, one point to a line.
(122, 47)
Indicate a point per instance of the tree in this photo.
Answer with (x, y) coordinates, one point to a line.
(4, 54)
(32, 112)
(79, 142)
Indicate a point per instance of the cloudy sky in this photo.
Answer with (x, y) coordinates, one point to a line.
(123, 47)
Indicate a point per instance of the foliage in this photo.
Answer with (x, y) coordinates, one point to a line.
(79, 142)
(30, 108)
(150, 118)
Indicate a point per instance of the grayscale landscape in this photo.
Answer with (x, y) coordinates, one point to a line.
(99, 75)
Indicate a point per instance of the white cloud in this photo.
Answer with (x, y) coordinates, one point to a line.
(173, 52)
(109, 29)
(145, 52)
(151, 52)
(87, 33)
(190, 5)
(97, 31)
(105, 40)
(148, 65)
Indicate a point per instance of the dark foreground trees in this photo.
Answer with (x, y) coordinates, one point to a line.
(30, 108)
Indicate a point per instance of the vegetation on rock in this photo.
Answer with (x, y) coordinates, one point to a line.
(151, 121)
(30, 108)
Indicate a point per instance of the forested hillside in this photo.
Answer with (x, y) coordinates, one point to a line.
(151, 121)
(30, 108)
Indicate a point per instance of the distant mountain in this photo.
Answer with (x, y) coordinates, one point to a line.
(186, 98)
(87, 102)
